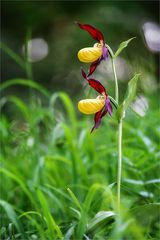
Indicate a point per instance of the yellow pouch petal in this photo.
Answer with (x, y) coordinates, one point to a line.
(91, 106)
(90, 54)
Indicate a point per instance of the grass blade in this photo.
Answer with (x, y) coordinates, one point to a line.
(19, 103)
(52, 226)
(13, 55)
(91, 193)
(20, 182)
(99, 218)
(12, 216)
(68, 105)
(75, 200)
(25, 82)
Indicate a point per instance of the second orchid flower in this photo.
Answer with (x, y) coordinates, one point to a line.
(99, 106)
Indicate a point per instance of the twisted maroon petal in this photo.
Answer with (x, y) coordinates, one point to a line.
(84, 74)
(99, 115)
(93, 66)
(95, 33)
(95, 84)
(97, 120)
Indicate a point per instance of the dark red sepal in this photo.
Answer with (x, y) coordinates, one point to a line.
(95, 33)
(97, 86)
(93, 66)
(84, 74)
(97, 120)
(99, 115)
(94, 84)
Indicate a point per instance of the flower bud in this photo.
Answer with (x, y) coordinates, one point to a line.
(91, 106)
(90, 54)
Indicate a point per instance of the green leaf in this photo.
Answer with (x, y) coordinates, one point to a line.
(24, 214)
(48, 217)
(13, 55)
(100, 217)
(75, 200)
(12, 215)
(90, 196)
(146, 213)
(19, 103)
(77, 213)
(122, 46)
(67, 102)
(140, 182)
(15, 177)
(86, 207)
(30, 216)
(69, 232)
(131, 92)
(132, 86)
(59, 191)
(82, 225)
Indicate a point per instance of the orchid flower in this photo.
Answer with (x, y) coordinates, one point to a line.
(95, 54)
(98, 106)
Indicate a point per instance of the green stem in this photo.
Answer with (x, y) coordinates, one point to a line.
(119, 175)
(116, 102)
(116, 81)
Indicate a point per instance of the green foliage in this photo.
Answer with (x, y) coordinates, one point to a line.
(13, 55)
(58, 180)
(99, 219)
(131, 93)
(25, 82)
(132, 86)
(51, 224)
(122, 46)
(11, 214)
(147, 213)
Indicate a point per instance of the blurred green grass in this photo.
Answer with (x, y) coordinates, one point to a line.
(54, 23)
(45, 151)
(57, 180)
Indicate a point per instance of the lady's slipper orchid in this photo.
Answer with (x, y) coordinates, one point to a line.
(90, 106)
(90, 54)
(94, 54)
(100, 106)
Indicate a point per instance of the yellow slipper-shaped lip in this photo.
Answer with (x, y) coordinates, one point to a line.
(89, 54)
(91, 106)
